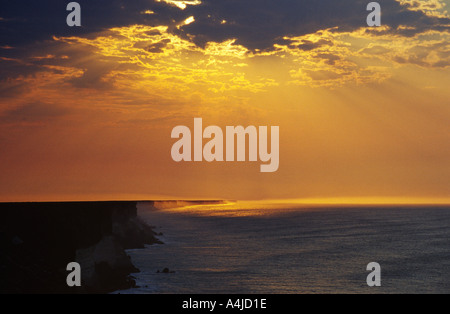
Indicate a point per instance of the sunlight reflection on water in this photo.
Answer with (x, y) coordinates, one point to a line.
(278, 248)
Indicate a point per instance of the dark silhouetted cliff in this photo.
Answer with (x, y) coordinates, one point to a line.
(38, 240)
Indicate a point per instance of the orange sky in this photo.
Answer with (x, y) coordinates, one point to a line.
(362, 113)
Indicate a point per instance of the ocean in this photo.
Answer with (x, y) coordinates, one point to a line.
(252, 247)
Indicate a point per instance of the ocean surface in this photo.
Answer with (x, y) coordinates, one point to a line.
(288, 249)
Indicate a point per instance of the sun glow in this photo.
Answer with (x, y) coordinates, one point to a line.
(181, 4)
(362, 111)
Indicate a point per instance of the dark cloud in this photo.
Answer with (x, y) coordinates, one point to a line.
(256, 24)
(18, 63)
(12, 67)
(28, 21)
(308, 45)
(27, 28)
(152, 47)
(33, 112)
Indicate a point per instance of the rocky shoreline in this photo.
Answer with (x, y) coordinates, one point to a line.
(38, 240)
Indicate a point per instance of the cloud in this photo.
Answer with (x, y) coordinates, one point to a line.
(33, 112)
(431, 7)
(258, 24)
(148, 47)
(255, 24)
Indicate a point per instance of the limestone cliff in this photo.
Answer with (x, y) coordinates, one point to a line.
(38, 240)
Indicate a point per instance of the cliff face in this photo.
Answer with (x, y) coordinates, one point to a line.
(38, 240)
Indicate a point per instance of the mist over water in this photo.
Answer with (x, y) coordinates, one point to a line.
(270, 248)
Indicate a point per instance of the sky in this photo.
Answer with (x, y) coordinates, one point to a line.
(86, 113)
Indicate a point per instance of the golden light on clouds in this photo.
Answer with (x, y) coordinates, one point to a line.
(362, 112)
(326, 58)
(182, 4)
(432, 7)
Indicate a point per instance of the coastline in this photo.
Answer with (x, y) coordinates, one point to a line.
(39, 239)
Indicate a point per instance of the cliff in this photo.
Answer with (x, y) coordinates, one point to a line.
(38, 240)
(182, 203)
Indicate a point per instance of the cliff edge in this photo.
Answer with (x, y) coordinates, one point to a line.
(38, 240)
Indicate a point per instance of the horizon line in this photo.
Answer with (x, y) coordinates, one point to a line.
(367, 200)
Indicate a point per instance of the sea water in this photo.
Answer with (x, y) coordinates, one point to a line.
(290, 249)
